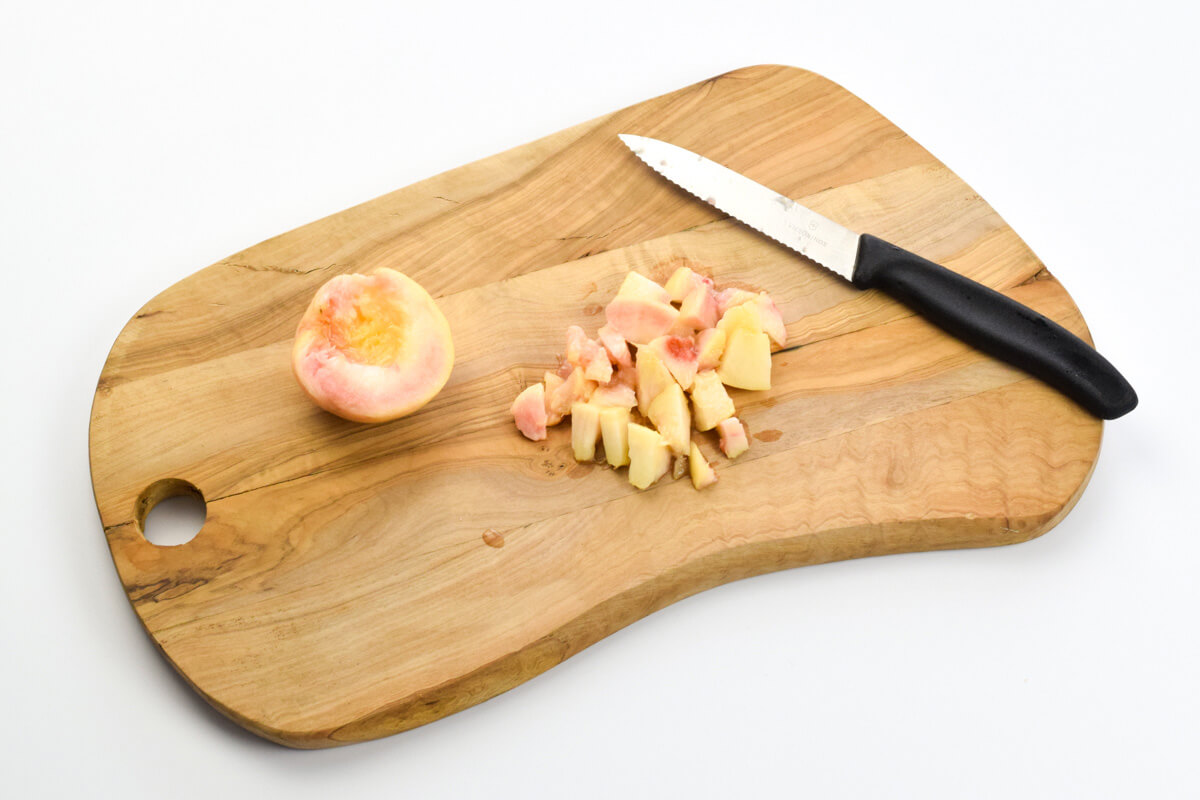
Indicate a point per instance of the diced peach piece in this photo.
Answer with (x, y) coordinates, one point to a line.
(552, 380)
(728, 298)
(614, 394)
(744, 316)
(624, 375)
(679, 355)
(683, 281)
(710, 402)
(652, 377)
(710, 343)
(699, 308)
(615, 345)
(680, 328)
(583, 352)
(576, 341)
(638, 319)
(620, 390)
(596, 366)
(638, 285)
(746, 362)
(614, 431)
(585, 430)
(759, 313)
(576, 388)
(733, 437)
(669, 414)
(649, 456)
(771, 318)
(702, 472)
(529, 412)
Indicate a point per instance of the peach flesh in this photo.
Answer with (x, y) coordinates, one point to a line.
(679, 355)
(372, 348)
(529, 411)
(728, 334)
(639, 320)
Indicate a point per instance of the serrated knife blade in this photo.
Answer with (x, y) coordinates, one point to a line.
(765, 210)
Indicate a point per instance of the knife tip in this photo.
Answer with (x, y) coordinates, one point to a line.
(632, 141)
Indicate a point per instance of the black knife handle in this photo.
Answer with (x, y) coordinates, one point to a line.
(995, 324)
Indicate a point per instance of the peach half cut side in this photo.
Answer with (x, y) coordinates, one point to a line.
(372, 348)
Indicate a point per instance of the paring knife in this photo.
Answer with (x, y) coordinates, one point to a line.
(962, 307)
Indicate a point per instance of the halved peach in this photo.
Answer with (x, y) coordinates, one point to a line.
(372, 348)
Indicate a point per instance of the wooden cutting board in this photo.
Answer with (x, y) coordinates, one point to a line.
(341, 588)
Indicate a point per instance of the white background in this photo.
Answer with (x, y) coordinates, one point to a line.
(142, 141)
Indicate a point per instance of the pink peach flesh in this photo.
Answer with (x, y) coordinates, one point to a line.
(639, 320)
(615, 394)
(583, 352)
(699, 308)
(733, 437)
(576, 342)
(529, 411)
(551, 380)
(372, 348)
(683, 281)
(638, 285)
(680, 356)
(710, 343)
(576, 388)
(771, 319)
(615, 345)
(728, 298)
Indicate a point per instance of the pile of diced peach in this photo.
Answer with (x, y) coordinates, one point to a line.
(689, 341)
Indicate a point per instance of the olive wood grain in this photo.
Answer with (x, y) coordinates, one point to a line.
(352, 581)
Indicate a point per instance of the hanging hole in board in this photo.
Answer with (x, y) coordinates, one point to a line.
(170, 512)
